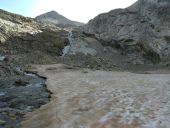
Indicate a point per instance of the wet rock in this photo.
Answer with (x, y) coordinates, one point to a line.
(2, 122)
(3, 104)
(21, 83)
(19, 93)
(2, 93)
(3, 58)
(80, 46)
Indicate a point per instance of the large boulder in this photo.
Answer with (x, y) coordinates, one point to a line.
(143, 29)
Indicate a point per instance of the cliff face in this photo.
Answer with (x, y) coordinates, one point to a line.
(142, 29)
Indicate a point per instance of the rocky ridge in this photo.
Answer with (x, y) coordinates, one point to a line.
(14, 24)
(142, 29)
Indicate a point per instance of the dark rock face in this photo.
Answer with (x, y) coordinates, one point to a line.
(142, 29)
(55, 18)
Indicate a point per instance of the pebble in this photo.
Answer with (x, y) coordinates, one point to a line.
(2, 58)
(2, 93)
(2, 122)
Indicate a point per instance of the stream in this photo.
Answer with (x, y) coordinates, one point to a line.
(20, 94)
(69, 45)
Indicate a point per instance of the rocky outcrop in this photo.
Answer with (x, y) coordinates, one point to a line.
(142, 29)
(55, 18)
(13, 24)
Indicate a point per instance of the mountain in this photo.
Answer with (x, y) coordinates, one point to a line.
(27, 41)
(141, 30)
(55, 18)
(118, 40)
(23, 35)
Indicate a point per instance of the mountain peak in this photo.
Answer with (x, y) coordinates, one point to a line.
(57, 19)
(52, 12)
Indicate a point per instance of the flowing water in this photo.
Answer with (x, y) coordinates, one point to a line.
(19, 95)
(69, 45)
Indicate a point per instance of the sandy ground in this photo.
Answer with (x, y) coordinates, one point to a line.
(102, 99)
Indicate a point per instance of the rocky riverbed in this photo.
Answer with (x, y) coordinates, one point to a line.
(20, 93)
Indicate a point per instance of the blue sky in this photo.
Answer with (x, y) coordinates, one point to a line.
(78, 10)
(18, 6)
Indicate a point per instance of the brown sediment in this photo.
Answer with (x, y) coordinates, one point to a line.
(101, 99)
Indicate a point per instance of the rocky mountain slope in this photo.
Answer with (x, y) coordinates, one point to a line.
(24, 41)
(30, 42)
(24, 37)
(141, 30)
(14, 24)
(20, 92)
(55, 18)
(119, 40)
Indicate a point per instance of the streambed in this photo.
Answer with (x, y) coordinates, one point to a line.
(20, 94)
